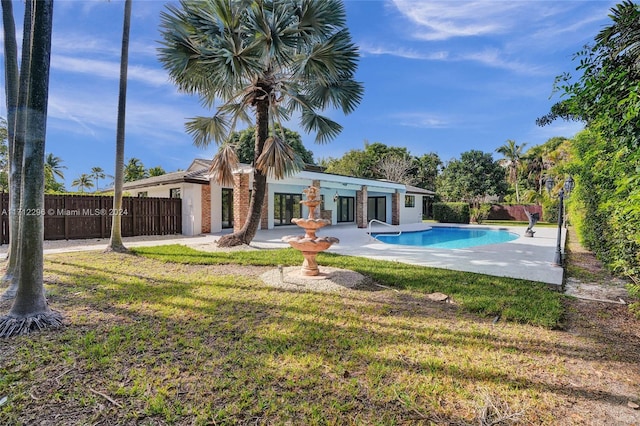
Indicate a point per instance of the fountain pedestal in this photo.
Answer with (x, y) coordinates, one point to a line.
(309, 244)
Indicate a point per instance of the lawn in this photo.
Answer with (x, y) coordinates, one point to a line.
(171, 335)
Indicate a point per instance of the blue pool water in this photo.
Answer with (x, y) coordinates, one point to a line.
(448, 238)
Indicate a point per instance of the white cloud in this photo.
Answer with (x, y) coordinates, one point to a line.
(109, 69)
(424, 120)
(438, 20)
(402, 52)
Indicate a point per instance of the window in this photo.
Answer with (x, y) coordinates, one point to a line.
(227, 208)
(377, 208)
(285, 208)
(409, 200)
(346, 209)
(174, 193)
(143, 194)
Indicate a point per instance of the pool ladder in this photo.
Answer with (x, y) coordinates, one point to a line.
(369, 228)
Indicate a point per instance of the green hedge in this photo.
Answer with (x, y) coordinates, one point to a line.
(451, 212)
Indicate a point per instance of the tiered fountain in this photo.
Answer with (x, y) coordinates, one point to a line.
(309, 244)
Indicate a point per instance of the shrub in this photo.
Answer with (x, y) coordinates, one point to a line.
(480, 214)
(451, 212)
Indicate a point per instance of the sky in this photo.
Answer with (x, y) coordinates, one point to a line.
(439, 76)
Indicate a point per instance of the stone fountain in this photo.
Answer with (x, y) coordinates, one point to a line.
(309, 244)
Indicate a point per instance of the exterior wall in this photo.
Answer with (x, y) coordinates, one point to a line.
(216, 207)
(191, 209)
(411, 214)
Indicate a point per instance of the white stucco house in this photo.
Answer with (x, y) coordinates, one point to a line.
(210, 208)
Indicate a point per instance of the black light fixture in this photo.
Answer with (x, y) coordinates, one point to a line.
(566, 189)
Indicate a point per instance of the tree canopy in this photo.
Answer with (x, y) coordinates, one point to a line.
(244, 143)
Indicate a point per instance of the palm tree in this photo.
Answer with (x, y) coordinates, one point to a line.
(115, 240)
(97, 173)
(52, 168)
(512, 160)
(83, 182)
(134, 170)
(266, 58)
(30, 310)
(156, 171)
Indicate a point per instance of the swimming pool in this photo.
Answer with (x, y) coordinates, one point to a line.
(448, 237)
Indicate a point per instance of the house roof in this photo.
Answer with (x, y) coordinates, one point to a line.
(198, 172)
(416, 190)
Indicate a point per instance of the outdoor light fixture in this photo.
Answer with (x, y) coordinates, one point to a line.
(567, 188)
(335, 197)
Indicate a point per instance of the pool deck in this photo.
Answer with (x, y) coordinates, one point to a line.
(524, 258)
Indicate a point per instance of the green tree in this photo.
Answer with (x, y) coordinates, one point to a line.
(427, 168)
(30, 310)
(472, 178)
(156, 171)
(244, 143)
(270, 59)
(512, 154)
(97, 173)
(115, 239)
(134, 170)
(84, 181)
(366, 163)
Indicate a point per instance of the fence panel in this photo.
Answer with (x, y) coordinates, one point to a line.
(69, 217)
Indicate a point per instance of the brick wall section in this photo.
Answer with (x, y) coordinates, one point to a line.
(361, 207)
(240, 200)
(206, 208)
(395, 208)
(264, 212)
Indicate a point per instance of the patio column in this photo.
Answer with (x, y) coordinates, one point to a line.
(395, 208)
(205, 195)
(240, 200)
(264, 213)
(361, 207)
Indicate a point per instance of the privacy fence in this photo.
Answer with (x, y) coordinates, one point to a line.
(68, 217)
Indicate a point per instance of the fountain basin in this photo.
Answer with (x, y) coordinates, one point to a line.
(317, 244)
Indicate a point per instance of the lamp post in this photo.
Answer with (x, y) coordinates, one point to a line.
(567, 187)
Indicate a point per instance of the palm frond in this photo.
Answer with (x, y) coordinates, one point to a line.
(203, 130)
(278, 159)
(325, 128)
(223, 164)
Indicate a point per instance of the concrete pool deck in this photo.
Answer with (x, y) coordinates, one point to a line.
(524, 258)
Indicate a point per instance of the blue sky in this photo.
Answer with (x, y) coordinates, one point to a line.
(439, 76)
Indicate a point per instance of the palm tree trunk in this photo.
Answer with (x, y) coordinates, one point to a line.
(17, 122)
(115, 242)
(30, 310)
(250, 227)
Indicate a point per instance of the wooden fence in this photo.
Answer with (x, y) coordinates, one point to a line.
(68, 217)
(513, 212)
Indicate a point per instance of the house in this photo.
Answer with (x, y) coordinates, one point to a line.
(208, 207)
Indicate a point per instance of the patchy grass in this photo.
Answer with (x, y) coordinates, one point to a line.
(180, 337)
(514, 300)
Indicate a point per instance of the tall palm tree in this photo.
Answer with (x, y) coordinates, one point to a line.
(53, 167)
(266, 60)
(512, 160)
(83, 182)
(97, 173)
(30, 310)
(115, 240)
